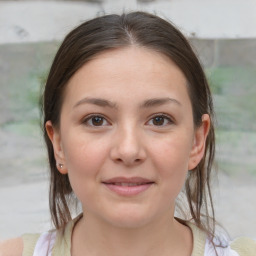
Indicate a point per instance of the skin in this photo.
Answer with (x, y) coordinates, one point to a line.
(155, 140)
(11, 247)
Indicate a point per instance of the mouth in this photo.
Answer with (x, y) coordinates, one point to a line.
(128, 186)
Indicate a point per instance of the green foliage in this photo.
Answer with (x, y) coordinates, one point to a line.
(234, 90)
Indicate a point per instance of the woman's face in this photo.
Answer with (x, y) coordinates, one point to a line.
(126, 137)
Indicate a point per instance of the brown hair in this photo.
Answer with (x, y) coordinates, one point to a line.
(117, 31)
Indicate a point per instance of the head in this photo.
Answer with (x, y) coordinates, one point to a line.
(112, 33)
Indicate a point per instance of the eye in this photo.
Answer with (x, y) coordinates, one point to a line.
(160, 120)
(95, 120)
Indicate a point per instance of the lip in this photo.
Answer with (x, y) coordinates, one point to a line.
(128, 186)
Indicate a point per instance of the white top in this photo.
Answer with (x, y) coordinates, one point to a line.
(46, 241)
(45, 244)
(209, 250)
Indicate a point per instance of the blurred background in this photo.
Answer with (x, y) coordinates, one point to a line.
(222, 33)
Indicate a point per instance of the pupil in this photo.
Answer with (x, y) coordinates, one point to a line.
(158, 120)
(97, 120)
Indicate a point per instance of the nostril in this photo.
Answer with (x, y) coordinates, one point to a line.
(128, 162)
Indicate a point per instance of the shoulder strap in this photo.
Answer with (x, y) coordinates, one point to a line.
(38, 245)
(45, 244)
(29, 243)
(62, 246)
(244, 246)
(199, 240)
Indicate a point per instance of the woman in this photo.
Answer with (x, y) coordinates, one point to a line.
(128, 124)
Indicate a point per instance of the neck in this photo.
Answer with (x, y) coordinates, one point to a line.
(91, 237)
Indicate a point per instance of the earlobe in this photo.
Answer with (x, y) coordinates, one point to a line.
(198, 148)
(54, 136)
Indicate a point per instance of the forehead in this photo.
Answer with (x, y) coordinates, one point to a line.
(131, 70)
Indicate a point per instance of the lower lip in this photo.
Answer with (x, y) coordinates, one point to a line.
(128, 190)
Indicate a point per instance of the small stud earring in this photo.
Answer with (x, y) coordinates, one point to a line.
(60, 165)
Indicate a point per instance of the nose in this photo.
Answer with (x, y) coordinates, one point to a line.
(128, 147)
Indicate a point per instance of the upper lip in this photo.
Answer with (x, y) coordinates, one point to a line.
(138, 180)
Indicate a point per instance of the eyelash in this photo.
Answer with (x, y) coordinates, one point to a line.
(165, 117)
(90, 117)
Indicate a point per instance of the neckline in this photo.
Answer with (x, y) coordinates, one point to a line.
(63, 241)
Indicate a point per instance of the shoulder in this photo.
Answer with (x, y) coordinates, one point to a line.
(221, 245)
(28, 245)
(244, 246)
(239, 247)
(12, 247)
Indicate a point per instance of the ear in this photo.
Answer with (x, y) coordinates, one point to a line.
(54, 136)
(198, 148)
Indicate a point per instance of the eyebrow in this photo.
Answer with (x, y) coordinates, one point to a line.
(146, 104)
(96, 101)
(158, 102)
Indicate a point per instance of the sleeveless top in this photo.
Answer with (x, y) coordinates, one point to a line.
(58, 243)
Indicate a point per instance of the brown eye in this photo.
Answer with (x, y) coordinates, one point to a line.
(160, 120)
(95, 121)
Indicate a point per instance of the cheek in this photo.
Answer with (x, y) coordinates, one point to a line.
(171, 159)
(173, 152)
(84, 155)
(84, 160)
